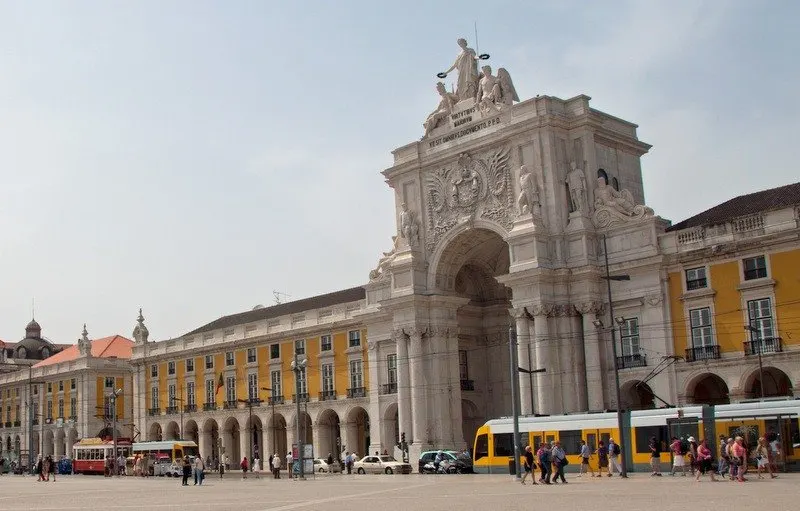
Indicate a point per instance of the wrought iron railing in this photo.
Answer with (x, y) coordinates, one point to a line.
(702, 353)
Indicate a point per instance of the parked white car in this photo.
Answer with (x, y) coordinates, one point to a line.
(322, 466)
(381, 465)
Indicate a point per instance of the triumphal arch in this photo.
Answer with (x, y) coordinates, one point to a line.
(501, 211)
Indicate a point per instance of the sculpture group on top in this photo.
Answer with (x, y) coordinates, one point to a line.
(485, 90)
(612, 207)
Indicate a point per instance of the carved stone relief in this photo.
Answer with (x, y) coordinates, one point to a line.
(613, 208)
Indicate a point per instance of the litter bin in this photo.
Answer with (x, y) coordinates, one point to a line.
(512, 469)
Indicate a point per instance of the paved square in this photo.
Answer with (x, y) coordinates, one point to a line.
(410, 492)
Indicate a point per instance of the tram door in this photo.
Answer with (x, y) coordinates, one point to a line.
(750, 430)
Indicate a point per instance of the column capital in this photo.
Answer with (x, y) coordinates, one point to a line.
(440, 331)
(591, 307)
(542, 309)
(564, 310)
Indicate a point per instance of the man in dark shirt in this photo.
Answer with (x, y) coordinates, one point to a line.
(655, 456)
(528, 465)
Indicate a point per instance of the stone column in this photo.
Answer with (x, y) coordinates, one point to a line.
(456, 425)
(316, 438)
(544, 387)
(523, 343)
(578, 359)
(373, 408)
(204, 443)
(419, 402)
(439, 409)
(269, 434)
(591, 350)
(403, 385)
(343, 437)
(290, 439)
(564, 373)
(245, 434)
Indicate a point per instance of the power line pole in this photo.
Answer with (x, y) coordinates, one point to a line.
(512, 348)
(298, 366)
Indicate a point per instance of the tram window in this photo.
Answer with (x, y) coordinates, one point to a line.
(795, 431)
(644, 433)
(605, 437)
(571, 441)
(549, 438)
(537, 441)
(749, 433)
(591, 441)
(481, 446)
(503, 444)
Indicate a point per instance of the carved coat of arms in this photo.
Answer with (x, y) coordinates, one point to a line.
(472, 188)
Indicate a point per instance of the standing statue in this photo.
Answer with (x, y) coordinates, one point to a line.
(467, 66)
(408, 227)
(495, 92)
(446, 104)
(576, 181)
(528, 200)
(84, 344)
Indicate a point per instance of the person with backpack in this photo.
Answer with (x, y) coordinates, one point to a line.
(544, 462)
(559, 462)
(678, 461)
(602, 458)
(613, 457)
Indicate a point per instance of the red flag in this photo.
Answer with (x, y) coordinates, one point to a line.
(220, 383)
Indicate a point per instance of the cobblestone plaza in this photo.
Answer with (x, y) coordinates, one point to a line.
(387, 493)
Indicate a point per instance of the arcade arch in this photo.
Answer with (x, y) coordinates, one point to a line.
(277, 434)
(357, 432)
(155, 432)
(637, 395)
(708, 389)
(172, 431)
(231, 441)
(328, 431)
(191, 431)
(776, 383)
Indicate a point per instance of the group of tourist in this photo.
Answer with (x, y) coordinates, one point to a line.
(45, 467)
(551, 459)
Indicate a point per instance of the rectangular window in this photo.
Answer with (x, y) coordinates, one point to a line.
(49, 409)
(73, 407)
(72, 384)
(482, 446)
(274, 351)
(16, 411)
(229, 360)
(300, 346)
(49, 390)
(189, 365)
(251, 355)
(211, 397)
(16, 390)
(60, 387)
(570, 441)
(356, 375)
(759, 313)
(154, 398)
(354, 338)
(36, 390)
(190, 398)
(504, 444)
(154, 371)
(301, 378)
(391, 368)
(629, 334)
(645, 433)
(230, 389)
(209, 361)
(325, 343)
(463, 365)
(275, 379)
(171, 367)
(696, 279)
(109, 382)
(700, 321)
(327, 378)
(252, 387)
(61, 407)
(755, 267)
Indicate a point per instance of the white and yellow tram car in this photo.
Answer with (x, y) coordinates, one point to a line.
(494, 445)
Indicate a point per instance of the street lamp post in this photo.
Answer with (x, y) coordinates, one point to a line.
(298, 366)
(113, 399)
(755, 334)
(249, 402)
(608, 278)
(530, 373)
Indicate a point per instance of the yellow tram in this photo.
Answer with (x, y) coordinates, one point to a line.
(494, 444)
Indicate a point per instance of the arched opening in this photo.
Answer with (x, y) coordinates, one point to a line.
(16, 445)
(602, 173)
(357, 431)
(8, 444)
(277, 426)
(306, 430)
(637, 395)
(59, 440)
(37, 446)
(155, 434)
(230, 442)
(615, 183)
(108, 432)
(468, 268)
(708, 389)
(329, 436)
(255, 439)
(211, 443)
(191, 431)
(48, 444)
(471, 420)
(391, 428)
(72, 438)
(172, 431)
(776, 384)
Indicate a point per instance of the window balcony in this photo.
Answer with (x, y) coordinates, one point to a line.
(300, 398)
(17, 424)
(230, 405)
(763, 346)
(172, 410)
(190, 408)
(357, 392)
(8, 424)
(153, 411)
(630, 361)
(389, 388)
(327, 395)
(467, 385)
(702, 353)
(253, 401)
(208, 407)
(276, 400)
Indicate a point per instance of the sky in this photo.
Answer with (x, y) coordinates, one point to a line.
(191, 157)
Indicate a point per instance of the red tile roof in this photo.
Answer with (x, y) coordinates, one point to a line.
(115, 346)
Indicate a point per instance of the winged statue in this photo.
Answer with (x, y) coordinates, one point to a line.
(495, 92)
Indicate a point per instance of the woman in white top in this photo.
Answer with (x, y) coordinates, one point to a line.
(257, 467)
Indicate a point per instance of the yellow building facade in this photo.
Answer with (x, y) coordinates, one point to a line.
(734, 299)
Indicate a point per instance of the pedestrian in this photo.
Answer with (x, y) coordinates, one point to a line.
(347, 463)
(528, 465)
(762, 457)
(613, 457)
(46, 464)
(276, 466)
(586, 453)
(559, 462)
(199, 470)
(186, 471)
(244, 466)
(602, 458)
(53, 468)
(691, 453)
(545, 462)
(723, 463)
(655, 456)
(289, 464)
(739, 457)
(678, 461)
(704, 461)
(773, 442)
(733, 469)
(257, 467)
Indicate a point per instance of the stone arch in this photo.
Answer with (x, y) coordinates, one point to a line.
(776, 383)
(8, 443)
(277, 434)
(707, 388)
(390, 427)
(72, 439)
(37, 445)
(211, 440)
(481, 246)
(471, 420)
(231, 430)
(17, 446)
(357, 431)
(328, 432)
(59, 447)
(172, 431)
(155, 432)
(306, 426)
(636, 395)
(191, 431)
(254, 428)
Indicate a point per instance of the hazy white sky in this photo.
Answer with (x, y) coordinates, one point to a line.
(191, 157)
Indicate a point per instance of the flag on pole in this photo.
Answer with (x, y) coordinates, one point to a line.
(220, 383)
